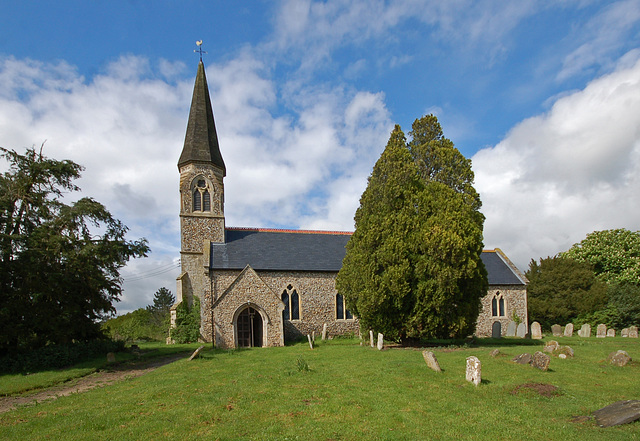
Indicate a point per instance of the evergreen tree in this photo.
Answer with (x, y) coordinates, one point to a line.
(412, 267)
(163, 300)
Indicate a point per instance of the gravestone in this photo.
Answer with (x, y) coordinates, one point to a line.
(601, 331)
(380, 341)
(620, 412)
(310, 341)
(536, 331)
(474, 370)
(324, 331)
(111, 357)
(556, 330)
(625, 332)
(611, 332)
(523, 359)
(619, 358)
(522, 330)
(373, 345)
(431, 361)
(585, 331)
(568, 330)
(551, 346)
(567, 351)
(196, 353)
(633, 332)
(511, 329)
(496, 330)
(540, 361)
(495, 353)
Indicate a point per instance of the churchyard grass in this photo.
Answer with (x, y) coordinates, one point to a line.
(348, 392)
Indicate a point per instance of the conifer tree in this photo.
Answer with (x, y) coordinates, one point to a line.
(413, 267)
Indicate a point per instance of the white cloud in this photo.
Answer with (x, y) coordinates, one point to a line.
(560, 175)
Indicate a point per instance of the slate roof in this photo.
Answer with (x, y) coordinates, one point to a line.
(201, 140)
(299, 250)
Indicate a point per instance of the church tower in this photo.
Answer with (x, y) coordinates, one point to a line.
(202, 172)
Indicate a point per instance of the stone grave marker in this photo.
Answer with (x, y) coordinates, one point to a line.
(310, 341)
(620, 412)
(567, 351)
(474, 370)
(556, 330)
(324, 331)
(633, 332)
(523, 359)
(536, 331)
(540, 361)
(625, 332)
(601, 331)
(611, 332)
(196, 353)
(495, 353)
(551, 346)
(511, 329)
(373, 345)
(111, 357)
(496, 330)
(380, 341)
(585, 331)
(619, 358)
(522, 330)
(568, 330)
(431, 361)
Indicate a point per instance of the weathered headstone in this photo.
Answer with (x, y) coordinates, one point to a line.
(625, 332)
(474, 370)
(611, 332)
(431, 360)
(568, 330)
(196, 353)
(310, 341)
(380, 341)
(585, 331)
(601, 331)
(620, 412)
(633, 332)
(556, 330)
(495, 353)
(496, 330)
(551, 346)
(511, 329)
(523, 359)
(619, 358)
(567, 351)
(522, 330)
(111, 357)
(373, 344)
(540, 361)
(536, 331)
(324, 331)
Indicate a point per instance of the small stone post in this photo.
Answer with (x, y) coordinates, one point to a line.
(310, 341)
(324, 331)
(373, 345)
(474, 370)
(380, 341)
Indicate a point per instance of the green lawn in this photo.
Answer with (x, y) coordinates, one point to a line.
(350, 392)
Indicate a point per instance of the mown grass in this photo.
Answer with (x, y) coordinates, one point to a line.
(348, 392)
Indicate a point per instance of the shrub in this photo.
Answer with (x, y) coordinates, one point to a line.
(187, 328)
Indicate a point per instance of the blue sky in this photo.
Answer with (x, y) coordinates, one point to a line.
(544, 97)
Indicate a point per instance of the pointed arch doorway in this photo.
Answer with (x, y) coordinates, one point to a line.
(249, 328)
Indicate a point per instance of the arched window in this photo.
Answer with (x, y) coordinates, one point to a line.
(291, 301)
(342, 313)
(201, 196)
(206, 201)
(197, 200)
(497, 305)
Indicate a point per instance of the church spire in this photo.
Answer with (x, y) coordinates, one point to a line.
(201, 140)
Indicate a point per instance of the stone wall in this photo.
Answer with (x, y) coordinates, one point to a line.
(515, 297)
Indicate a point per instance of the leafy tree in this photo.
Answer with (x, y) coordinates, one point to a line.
(137, 325)
(614, 255)
(561, 289)
(412, 267)
(59, 263)
(187, 328)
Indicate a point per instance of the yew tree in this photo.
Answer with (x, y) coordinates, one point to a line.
(412, 267)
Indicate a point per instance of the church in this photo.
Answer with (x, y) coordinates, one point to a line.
(263, 287)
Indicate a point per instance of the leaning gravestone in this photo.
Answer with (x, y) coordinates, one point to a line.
(431, 361)
(625, 332)
(196, 353)
(633, 332)
(310, 341)
(619, 358)
(511, 329)
(474, 370)
(536, 331)
(496, 330)
(551, 346)
(380, 341)
(522, 330)
(373, 345)
(523, 359)
(601, 331)
(620, 412)
(556, 330)
(585, 331)
(568, 330)
(540, 361)
(611, 332)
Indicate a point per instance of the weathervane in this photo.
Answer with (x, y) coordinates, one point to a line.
(199, 50)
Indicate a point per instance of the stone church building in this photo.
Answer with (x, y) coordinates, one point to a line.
(262, 287)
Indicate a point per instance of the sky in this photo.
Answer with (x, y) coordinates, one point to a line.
(543, 97)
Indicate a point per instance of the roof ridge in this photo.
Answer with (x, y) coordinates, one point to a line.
(284, 230)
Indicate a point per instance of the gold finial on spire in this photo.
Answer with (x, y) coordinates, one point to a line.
(199, 50)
